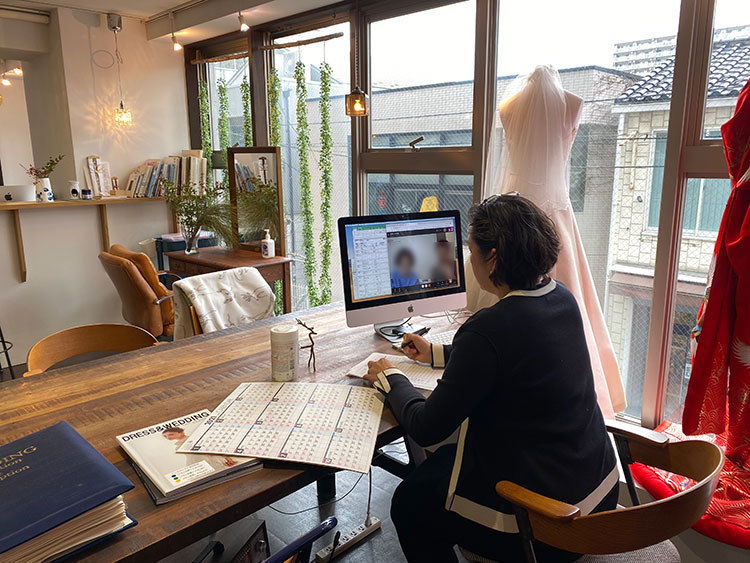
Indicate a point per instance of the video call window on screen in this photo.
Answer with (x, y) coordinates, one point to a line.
(401, 257)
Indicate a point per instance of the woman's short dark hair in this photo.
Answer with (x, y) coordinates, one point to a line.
(524, 237)
(404, 253)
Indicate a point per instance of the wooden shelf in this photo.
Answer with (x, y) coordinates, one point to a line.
(21, 205)
(101, 204)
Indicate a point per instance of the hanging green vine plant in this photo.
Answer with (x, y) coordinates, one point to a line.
(204, 104)
(326, 183)
(221, 87)
(303, 148)
(247, 117)
(274, 94)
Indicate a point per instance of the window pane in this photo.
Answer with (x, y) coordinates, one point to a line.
(422, 76)
(690, 219)
(657, 178)
(617, 159)
(404, 193)
(730, 61)
(232, 72)
(715, 196)
(336, 54)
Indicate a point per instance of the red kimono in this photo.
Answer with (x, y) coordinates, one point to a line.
(718, 396)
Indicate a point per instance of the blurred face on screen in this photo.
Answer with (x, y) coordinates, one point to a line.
(405, 263)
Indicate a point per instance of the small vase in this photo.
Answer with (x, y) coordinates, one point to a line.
(191, 242)
(44, 190)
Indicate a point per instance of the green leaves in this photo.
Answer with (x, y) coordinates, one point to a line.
(326, 183)
(221, 87)
(45, 170)
(247, 117)
(205, 114)
(274, 94)
(303, 149)
(199, 208)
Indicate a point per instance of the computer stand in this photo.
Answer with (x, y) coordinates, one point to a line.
(394, 331)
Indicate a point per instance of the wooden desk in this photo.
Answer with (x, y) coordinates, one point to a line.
(215, 258)
(115, 395)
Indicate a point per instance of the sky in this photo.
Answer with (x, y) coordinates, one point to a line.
(438, 45)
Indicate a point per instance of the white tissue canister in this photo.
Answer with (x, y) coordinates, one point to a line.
(284, 352)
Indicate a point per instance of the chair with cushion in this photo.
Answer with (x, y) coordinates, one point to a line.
(636, 534)
(218, 300)
(85, 339)
(146, 302)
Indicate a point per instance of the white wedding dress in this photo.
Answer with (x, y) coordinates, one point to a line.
(539, 121)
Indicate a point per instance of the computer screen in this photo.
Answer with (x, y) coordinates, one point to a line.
(409, 259)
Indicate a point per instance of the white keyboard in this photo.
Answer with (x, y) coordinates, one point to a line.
(434, 338)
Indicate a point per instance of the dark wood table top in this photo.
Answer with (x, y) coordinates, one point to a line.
(104, 398)
(226, 258)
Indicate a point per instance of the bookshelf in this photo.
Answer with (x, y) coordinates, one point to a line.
(16, 207)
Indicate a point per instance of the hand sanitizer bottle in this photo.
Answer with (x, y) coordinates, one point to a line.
(267, 246)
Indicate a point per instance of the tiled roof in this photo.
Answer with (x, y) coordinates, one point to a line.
(730, 70)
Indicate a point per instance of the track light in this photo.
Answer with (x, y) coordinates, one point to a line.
(4, 81)
(243, 23)
(176, 44)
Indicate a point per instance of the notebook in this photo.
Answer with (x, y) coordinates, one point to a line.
(59, 495)
(421, 376)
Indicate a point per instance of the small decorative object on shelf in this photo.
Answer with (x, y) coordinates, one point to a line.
(311, 332)
(199, 208)
(41, 179)
(74, 189)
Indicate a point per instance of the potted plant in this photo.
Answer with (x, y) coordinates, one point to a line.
(41, 178)
(197, 208)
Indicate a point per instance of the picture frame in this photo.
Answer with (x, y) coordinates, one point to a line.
(261, 163)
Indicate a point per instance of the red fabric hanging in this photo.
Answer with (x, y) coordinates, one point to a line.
(718, 396)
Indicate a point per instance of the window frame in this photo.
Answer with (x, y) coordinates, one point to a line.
(688, 153)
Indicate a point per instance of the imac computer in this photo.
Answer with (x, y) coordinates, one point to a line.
(400, 266)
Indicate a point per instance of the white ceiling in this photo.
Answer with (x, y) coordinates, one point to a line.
(144, 9)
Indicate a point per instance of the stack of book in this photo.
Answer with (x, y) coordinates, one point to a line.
(169, 475)
(146, 180)
(59, 495)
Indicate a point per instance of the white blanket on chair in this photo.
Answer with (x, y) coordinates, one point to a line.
(228, 298)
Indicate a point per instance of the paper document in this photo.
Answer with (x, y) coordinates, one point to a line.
(420, 375)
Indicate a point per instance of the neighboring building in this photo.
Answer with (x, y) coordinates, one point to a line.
(643, 118)
(645, 55)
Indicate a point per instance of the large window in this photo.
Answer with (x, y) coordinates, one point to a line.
(335, 54)
(421, 75)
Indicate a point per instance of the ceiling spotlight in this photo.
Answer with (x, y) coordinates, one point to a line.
(17, 70)
(4, 81)
(243, 23)
(176, 44)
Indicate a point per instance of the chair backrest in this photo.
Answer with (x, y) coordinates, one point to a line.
(84, 340)
(301, 547)
(148, 271)
(617, 531)
(139, 305)
(222, 299)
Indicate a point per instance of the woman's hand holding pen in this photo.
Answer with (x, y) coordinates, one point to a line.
(417, 348)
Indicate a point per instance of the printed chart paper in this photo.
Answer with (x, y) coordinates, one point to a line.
(321, 424)
(420, 375)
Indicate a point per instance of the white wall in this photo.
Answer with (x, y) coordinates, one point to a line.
(15, 140)
(66, 285)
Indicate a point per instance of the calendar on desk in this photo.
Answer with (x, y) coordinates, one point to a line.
(321, 424)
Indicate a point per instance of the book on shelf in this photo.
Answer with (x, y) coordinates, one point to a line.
(169, 475)
(59, 496)
(147, 180)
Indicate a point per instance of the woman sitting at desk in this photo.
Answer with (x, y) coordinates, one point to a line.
(518, 382)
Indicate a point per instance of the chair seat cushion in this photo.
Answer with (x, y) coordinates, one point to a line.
(664, 552)
(728, 516)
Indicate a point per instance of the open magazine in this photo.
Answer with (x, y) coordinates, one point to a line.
(169, 474)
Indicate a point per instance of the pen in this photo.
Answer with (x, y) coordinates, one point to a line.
(420, 332)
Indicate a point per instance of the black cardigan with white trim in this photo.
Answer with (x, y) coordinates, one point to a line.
(518, 382)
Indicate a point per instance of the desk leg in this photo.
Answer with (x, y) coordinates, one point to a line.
(327, 487)
(287, 283)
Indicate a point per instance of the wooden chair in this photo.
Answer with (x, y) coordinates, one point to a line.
(84, 340)
(623, 531)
